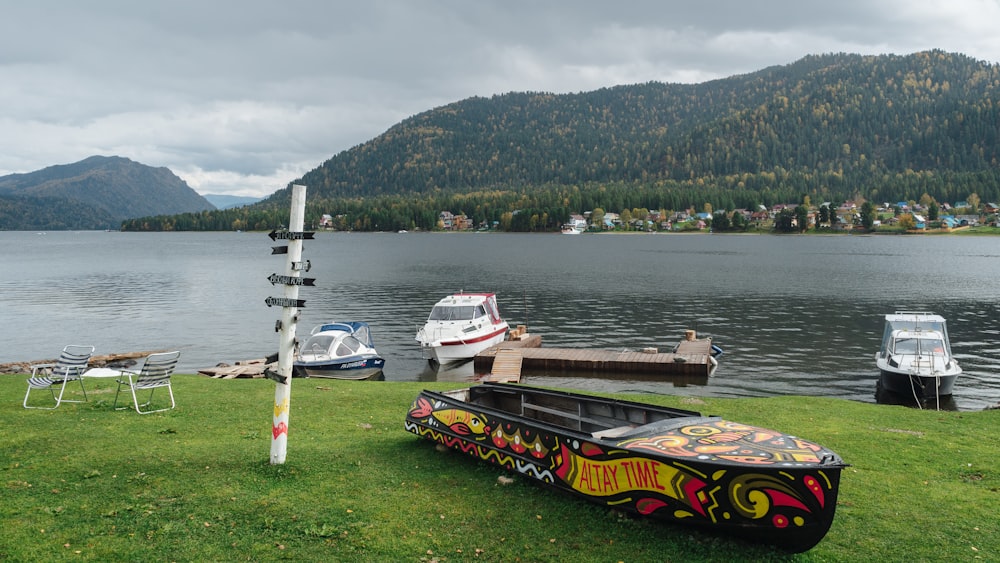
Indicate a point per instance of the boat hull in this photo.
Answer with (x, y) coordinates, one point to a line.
(354, 369)
(449, 351)
(919, 387)
(781, 491)
(460, 326)
(915, 359)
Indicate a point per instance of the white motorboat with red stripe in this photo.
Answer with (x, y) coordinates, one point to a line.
(460, 326)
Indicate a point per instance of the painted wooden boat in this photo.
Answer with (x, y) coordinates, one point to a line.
(644, 459)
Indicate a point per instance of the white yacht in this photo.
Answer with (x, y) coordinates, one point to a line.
(915, 358)
(460, 326)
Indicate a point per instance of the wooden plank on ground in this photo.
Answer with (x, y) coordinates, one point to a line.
(242, 370)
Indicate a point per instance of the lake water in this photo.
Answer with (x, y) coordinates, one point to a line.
(794, 314)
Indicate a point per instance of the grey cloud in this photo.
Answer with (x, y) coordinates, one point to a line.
(244, 96)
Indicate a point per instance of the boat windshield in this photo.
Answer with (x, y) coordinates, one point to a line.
(919, 346)
(318, 344)
(348, 346)
(913, 325)
(456, 312)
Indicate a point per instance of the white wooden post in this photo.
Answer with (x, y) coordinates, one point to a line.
(286, 338)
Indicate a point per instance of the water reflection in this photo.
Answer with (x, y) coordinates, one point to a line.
(886, 397)
(454, 371)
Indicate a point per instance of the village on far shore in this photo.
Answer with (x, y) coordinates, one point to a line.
(849, 216)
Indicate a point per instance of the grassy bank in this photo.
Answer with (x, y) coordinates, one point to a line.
(88, 482)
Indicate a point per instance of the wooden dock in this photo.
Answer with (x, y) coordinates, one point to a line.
(691, 358)
(690, 363)
(506, 367)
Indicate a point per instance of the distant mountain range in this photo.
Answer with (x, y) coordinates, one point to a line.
(829, 127)
(832, 127)
(221, 201)
(96, 193)
(837, 123)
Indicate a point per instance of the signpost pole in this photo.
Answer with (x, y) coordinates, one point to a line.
(286, 339)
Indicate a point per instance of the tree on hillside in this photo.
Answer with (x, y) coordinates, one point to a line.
(784, 222)
(597, 218)
(973, 201)
(867, 215)
(626, 217)
(802, 218)
(738, 222)
(824, 215)
(720, 221)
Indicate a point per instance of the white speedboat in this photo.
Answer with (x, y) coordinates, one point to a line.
(339, 351)
(915, 358)
(574, 227)
(460, 326)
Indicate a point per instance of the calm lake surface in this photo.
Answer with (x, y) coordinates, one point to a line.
(795, 314)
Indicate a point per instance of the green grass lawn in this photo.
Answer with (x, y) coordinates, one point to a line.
(86, 482)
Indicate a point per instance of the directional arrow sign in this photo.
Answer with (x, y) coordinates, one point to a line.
(275, 376)
(290, 280)
(291, 235)
(285, 302)
(279, 250)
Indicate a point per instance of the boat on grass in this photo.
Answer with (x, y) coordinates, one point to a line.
(339, 350)
(915, 358)
(644, 459)
(460, 326)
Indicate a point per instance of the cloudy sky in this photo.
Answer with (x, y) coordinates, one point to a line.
(241, 97)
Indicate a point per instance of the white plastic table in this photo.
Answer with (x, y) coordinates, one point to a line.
(105, 372)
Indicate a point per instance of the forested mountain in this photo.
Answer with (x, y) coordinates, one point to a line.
(96, 193)
(831, 127)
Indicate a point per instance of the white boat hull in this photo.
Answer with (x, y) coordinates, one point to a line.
(915, 358)
(461, 326)
(447, 351)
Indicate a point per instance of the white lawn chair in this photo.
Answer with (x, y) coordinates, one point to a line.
(155, 373)
(69, 367)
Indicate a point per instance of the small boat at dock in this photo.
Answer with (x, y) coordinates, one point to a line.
(915, 358)
(460, 326)
(339, 351)
(648, 460)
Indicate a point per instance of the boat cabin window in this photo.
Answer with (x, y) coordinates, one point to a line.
(348, 346)
(318, 344)
(932, 346)
(363, 334)
(905, 346)
(457, 312)
(921, 346)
